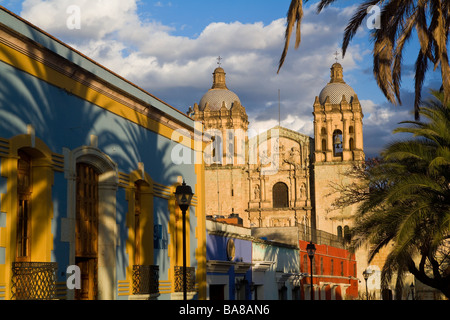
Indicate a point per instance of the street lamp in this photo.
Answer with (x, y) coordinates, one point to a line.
(183, 195)
(412, 290)
(366, 274)
(311, 250)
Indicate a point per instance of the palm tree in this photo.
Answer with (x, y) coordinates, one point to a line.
(429, 18)
(405, 201)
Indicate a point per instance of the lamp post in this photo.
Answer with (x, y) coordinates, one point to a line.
(183, 195)
(366, 274)
(412, 290)
(311, 250)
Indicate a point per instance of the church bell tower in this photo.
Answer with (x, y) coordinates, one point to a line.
(338, 147)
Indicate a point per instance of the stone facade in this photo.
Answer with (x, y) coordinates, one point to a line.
(280, 178)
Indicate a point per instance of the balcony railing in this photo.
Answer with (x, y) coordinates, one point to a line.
(34, 280)
(190, 279)
(145, 279)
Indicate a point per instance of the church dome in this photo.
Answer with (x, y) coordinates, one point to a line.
(337, 87)
(335, 91)
(219, 94)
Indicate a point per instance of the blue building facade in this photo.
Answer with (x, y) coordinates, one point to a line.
(229, 261)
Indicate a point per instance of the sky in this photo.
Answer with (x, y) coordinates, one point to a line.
(170, 49)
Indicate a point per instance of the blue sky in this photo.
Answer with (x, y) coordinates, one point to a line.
(170, 49)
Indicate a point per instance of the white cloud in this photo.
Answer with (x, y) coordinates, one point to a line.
(179, 69)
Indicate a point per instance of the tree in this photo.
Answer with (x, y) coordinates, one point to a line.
(404, 201)
(429, 18)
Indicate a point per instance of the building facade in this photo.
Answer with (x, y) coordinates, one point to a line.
(87, 179)
(244, 267)
(334, 273)
(281, 178)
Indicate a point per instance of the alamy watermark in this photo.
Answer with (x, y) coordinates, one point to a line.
(373, 20)
(73, 21)
(231, 146)
(73, 281)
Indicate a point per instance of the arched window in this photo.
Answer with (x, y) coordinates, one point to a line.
(216, 152)
(324, 145)
(280, 195)
(352, 144)
(347, 235)
(339, 232)
(337, 143)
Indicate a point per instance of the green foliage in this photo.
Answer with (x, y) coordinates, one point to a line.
(406, 201)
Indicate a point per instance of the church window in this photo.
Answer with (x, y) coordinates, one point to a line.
(352, 144)
(351, 130)
(347, 235)
(324, 145)
(216, 153)
(339, 232)
(280, 195)
(337, 143)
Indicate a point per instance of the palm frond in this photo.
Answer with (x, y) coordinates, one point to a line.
(294, 15)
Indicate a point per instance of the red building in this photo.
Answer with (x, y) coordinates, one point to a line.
(334, 273)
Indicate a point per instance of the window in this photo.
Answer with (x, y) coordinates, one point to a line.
(337, 143)
(321, 265)
(323, 132)
(352, 144)
(347, 234)
(332, 267)
(339, 232)
(24, 206)
(280, 195)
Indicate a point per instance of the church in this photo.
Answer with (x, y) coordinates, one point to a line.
(280, 183)
(281, 178)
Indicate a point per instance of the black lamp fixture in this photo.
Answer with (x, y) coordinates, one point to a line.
(183, 195)
(311, 250)
(366, 274)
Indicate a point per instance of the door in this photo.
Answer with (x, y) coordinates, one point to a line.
(217, 292)
(23, 207)
(86, 246)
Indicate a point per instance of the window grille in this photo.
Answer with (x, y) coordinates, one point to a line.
(34, 280)
(145, 279)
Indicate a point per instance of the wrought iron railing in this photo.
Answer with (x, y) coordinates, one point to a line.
(34, 280)
(145, 279)
(190, 279)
